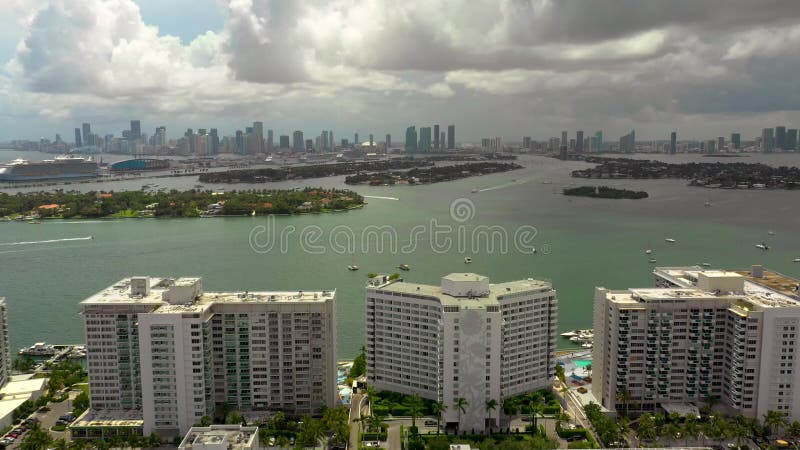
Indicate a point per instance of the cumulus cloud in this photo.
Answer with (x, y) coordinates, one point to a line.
(569, 61)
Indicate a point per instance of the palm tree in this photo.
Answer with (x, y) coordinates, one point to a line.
(691, 429)
(371, 395)
(793, 431)
(461, 406)
(624, 397)
(589, 370)
(774, 421)
(561, 417)
(534, 407)
(439, 408)
(36, 438)
(414, 404)
(670, 431)
(491, 405)
(647, 427)
(60, 444)
(624, 426)
(739, 430)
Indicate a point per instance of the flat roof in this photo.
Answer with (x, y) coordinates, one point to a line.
(23, 387)
(236, 436)
(109, 418)
(496, 291)
(775, 281)
(266, 297)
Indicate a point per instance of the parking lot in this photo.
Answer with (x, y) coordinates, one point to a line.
(47, 419)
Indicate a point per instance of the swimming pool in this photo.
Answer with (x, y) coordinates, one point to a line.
(582, 363)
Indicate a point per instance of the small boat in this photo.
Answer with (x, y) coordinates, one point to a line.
(586, 345)
(762, 246)
(771, 233)
(652, 261)
(796, 260)
(648, 251)
(34, 222)
(474, 191)
(39, 349)
(352, 267)
(705, 264)
(404, 267)
(467, 260)
(670, 240)
(253, 214)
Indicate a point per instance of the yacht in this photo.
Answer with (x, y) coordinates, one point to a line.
(352, 267)
(467, 260)
(404, 267)
(705, 264)
(39, 349)
(670, 240)
(771, 233)
(652, 261)
(474, 191)
(796, 260)
(762, 246)
(648, 251)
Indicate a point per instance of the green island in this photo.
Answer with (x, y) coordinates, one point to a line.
(265, 175)
(192, 203)
(605, 192)
(429, 175)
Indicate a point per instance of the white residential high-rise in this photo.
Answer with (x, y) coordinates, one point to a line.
(701, 334)
(168, 352)
(5, 352)
(466, 339)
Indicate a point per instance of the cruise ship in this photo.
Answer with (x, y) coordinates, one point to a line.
(61, 167)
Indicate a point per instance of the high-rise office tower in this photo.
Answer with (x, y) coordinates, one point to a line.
(165, 353)
(627, 143)
(424, 139)
(283, 141)
(780, 138)
(441, 140)
(465, 338)
(598, 137)
(330, 139)
(258, 136)
(189, 135)
(700, 334)
(711, 146)
(411, 139)
(78, 139)
(526, 142)
(86, 133)
(720, 143)
(564, 138)
(579, 141)
(214, 137)
(736, 141)
(270, 142)
(436, 137)
(767, 140)
(357, 143)
(388, 141)
(240, 146)
(309, 145)
(324, 141)
(5, 350)
(791, 139)
(673, 143)
(297, 141)
(136, 129)
(451, 137)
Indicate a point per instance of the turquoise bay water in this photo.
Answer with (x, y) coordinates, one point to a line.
(581, 243)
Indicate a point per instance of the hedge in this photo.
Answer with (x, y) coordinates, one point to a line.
(373, 436)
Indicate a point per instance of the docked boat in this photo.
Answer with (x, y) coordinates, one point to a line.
(39, 349)
(796, 260)
(762, 246)
(705, 264)
(404, 267)
(670, 240)
(352, 267)
(467, 260)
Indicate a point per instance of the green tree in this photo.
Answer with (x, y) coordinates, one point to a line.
(623, 397)
(691, 428)
(535, 407)
(671, 431)
(491, 405)
(233, 418)
(415, 408)
(438, 409)
(80, 404)
(36, 439)
(205, 421)
(560, 375)
(153, 440)
(461, 406)
(646, 430)
(775, 421)
(359, 364)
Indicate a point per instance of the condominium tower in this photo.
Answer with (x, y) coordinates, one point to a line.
(164, 349)
(5, 351)
(701, 334)
(465, 338)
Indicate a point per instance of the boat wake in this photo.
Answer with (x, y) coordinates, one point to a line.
(502, 186)
(379, 197)
(49, 241)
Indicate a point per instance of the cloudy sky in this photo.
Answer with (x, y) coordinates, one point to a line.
(491, 67)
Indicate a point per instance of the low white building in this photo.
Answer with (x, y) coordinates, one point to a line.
(221, 437)
(464, 339)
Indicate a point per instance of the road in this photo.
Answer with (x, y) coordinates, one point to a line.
(355, 414)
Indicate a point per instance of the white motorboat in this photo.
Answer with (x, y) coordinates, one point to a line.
(467, 260)
(670, 240)
(352, 267)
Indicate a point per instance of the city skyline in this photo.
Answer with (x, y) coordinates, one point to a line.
(706, 71)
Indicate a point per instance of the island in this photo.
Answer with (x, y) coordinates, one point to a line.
(605, 192)
(314, 171)
(192, 203)
(430, 175)
(734, 175)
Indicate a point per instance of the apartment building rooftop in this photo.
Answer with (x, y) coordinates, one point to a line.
(466, 290)
(227, 437)
(109, 418)
(186, 294)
